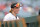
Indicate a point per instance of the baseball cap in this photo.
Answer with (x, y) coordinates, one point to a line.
(15, 5)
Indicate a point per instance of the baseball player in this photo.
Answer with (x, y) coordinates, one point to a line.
(12, 13)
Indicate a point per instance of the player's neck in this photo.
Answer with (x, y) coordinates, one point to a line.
(13, 13)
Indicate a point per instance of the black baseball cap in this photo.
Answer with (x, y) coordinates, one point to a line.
(15, 5)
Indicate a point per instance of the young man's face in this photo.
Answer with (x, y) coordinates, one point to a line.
(16, 10)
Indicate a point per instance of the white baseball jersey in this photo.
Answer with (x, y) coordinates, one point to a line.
(10, 17)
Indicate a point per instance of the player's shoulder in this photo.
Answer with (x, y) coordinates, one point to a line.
(8, 15)
(6, 18)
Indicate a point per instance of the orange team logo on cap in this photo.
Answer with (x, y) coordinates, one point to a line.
(17, 5)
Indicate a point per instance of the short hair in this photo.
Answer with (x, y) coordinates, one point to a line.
(13, 5)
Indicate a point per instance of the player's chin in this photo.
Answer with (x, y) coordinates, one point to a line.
(17, 12)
